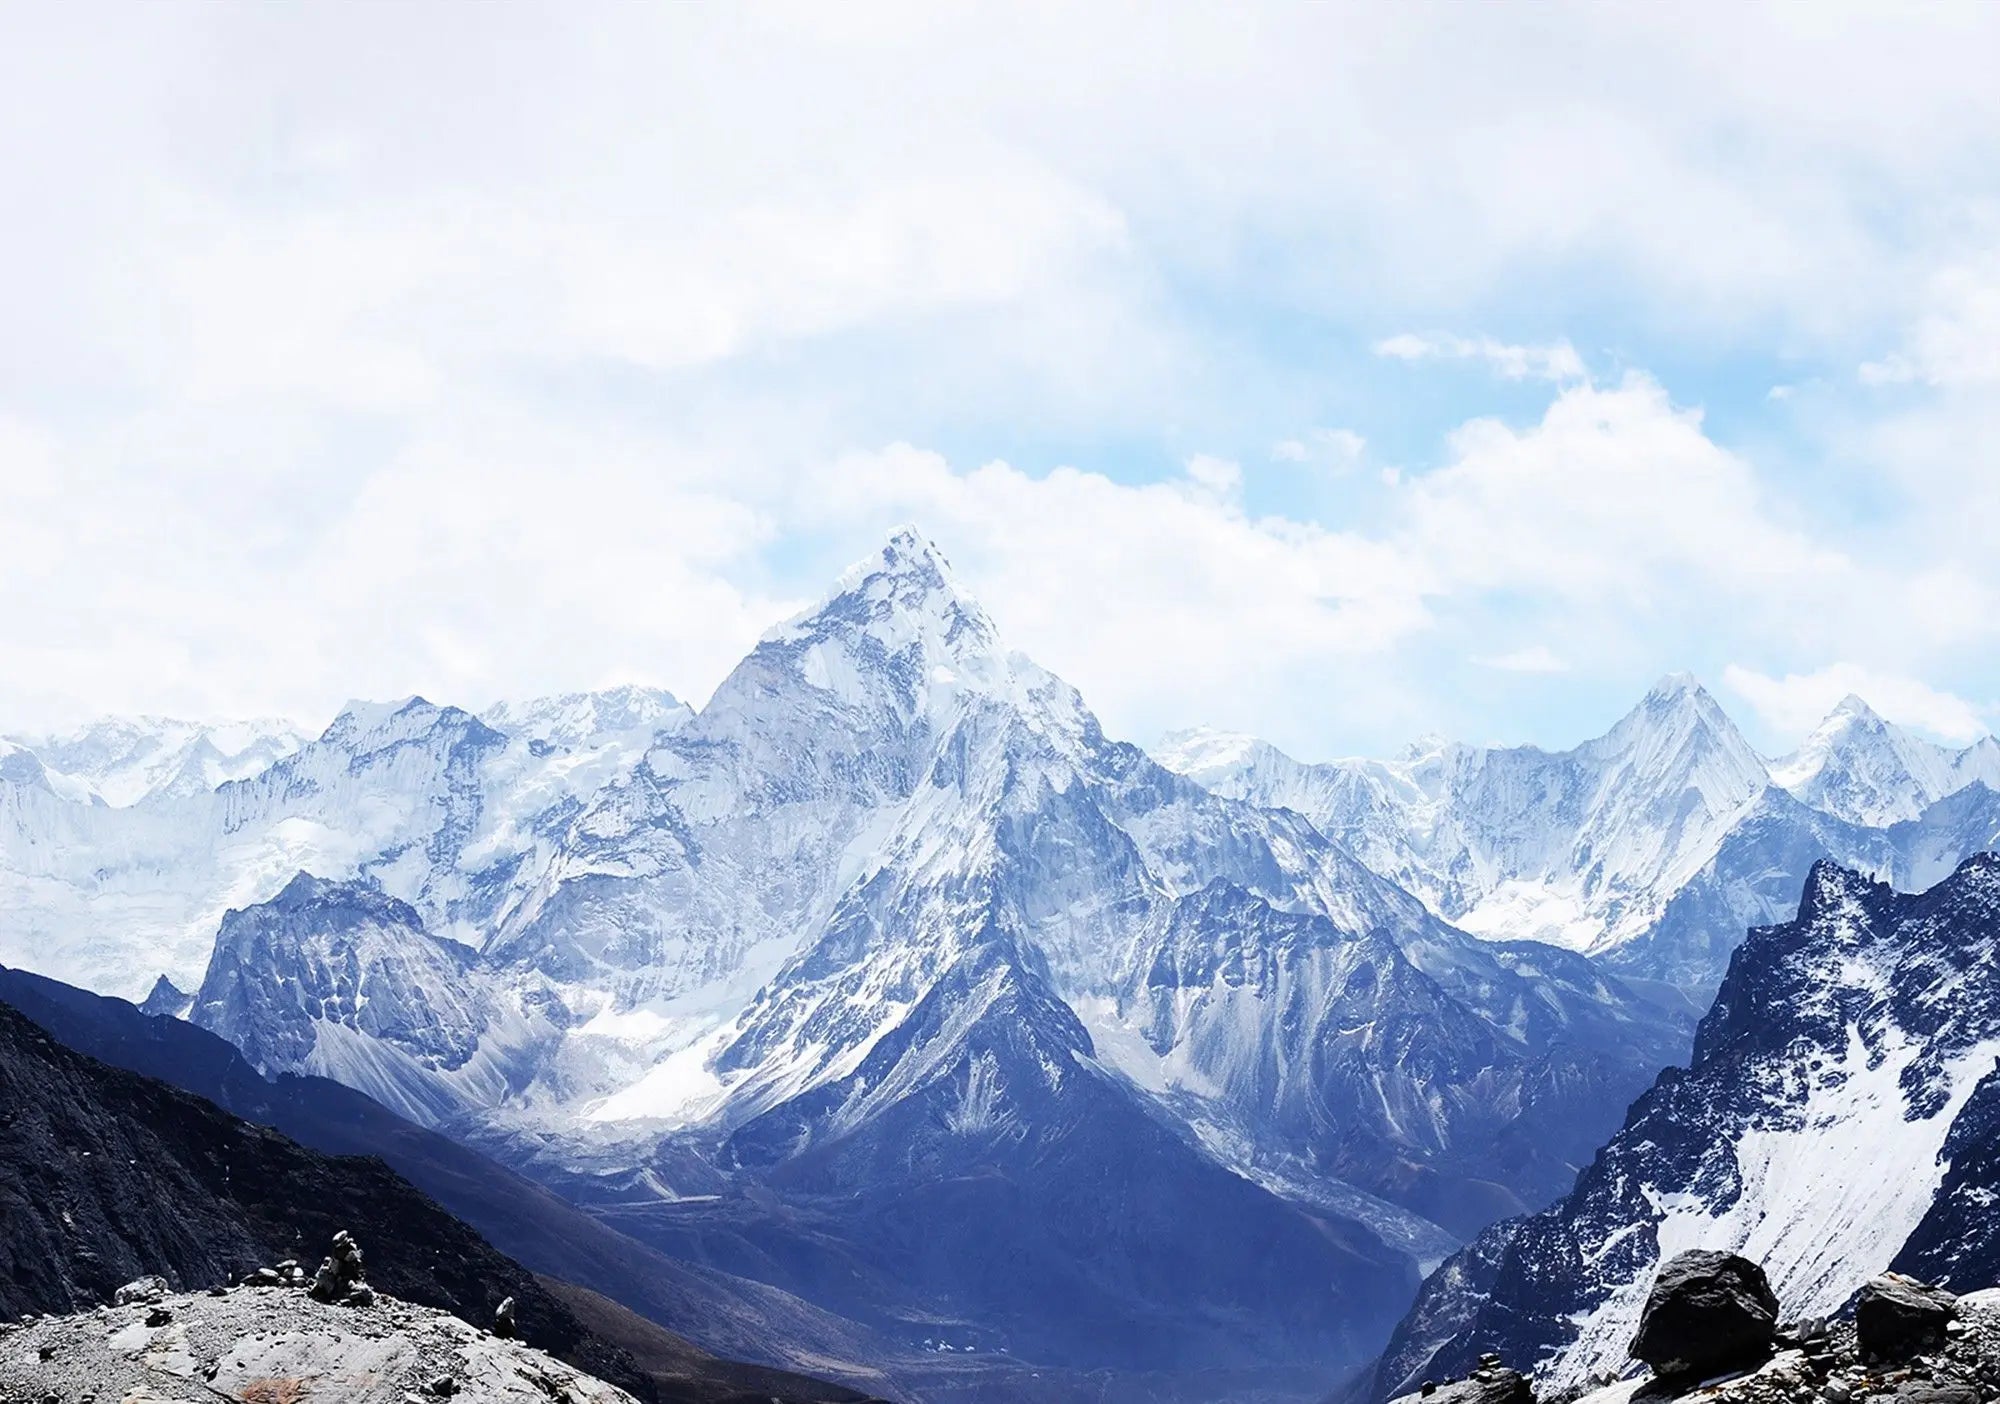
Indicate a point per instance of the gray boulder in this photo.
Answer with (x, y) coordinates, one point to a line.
(1896, 1317)
(1708, 1313)
(145, 1289)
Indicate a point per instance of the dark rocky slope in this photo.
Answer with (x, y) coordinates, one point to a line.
(524, 1220)
(106, 1176)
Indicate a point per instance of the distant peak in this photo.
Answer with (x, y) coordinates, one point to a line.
(303, 887)
(1853, 708)
(1677, 700)
(907, 538)
(1201, 748)
(907, 553)
(907, 577)
(381, 724)
(1675, 687)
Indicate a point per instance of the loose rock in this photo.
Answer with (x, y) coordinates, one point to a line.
(1489, 1384)
(145, 1289)
(340, 1277)
(1707, 1313)
(1896, 1317)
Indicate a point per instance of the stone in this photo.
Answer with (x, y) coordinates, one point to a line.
(159, 1316)
(503, 1320)
(1936, 1392)
(340, 1277)
(1489, 1384)
(1896, 1317)
(144, 1289)
(264, 1277)
(1707, 1313)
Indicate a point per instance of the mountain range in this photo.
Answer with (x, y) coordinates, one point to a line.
(1652, 847)
(886, 980)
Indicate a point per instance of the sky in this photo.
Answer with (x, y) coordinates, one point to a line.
(1339, 373)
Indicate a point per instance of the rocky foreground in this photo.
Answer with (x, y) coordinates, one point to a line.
(278, 1345)
(1710, 1334)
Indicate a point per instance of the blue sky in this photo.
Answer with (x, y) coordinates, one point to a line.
(1337, 373)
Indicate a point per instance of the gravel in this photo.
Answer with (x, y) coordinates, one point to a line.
(276, 1345)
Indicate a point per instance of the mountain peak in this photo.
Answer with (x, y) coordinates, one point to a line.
(370, 726)
(1199, 750)
(908, 555)
(575, 719)
(1859, 767)
(1681, 694)
(903, 594)
(1680, 705)
(1852, 708)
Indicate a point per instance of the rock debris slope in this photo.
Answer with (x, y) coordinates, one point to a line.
(258, 1344)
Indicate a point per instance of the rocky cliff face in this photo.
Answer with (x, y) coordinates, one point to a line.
(1835, 1118)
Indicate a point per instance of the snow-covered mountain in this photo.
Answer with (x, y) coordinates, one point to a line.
(574, 721)
(1576, 848)
(888, 979)
(1838, 1116)
(1653, 847)
(120, 761)
(886, 957)
(429, 803)
(340, 980)
(1858, 767)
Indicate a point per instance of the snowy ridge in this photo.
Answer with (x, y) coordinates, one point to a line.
(1863, 769)
(120, 761)
(338, 980)
(1654, 846)
(429, 803)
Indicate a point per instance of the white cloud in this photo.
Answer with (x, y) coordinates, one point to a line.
(329, 368)
(1335, 449)
(492, 561)
(1795, 703)
(1614, 495)
(1955, 342)
(1536, 658)
(1557, 361)
(1218, 477)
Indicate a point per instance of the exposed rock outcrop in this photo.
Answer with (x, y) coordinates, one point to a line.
(1707, 1312)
